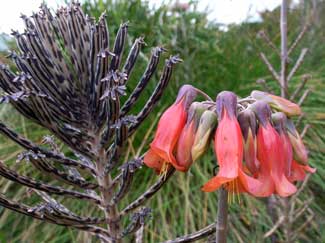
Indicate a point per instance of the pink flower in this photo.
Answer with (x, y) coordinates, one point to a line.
(170, 126)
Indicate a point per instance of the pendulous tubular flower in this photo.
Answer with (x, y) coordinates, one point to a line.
(278, 103)
(248, 125)
(257, 151)
(279, 120)
(293, 170)
(187, 136)
(300, 153)
(207, 125)
(229, 149)
(298, 171)
(161, 152)
(270, 154)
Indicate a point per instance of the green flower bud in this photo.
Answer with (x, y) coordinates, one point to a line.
(278, 103)
(207, 124)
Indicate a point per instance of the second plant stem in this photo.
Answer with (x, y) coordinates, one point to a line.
(222, 216)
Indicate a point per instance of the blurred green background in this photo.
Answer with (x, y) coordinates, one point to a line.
(214, 60)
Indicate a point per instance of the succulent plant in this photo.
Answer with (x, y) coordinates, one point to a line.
(70, 79)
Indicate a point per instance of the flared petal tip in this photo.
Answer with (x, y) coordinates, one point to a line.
(153, 161)
(215, 183)
(210, 186)
(310, 169)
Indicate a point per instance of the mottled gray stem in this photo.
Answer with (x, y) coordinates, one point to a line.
(38, 185)
(287, 223)
(271, 209)
(221, 223)
(284, 92)
(203, 233)
(105, 181)
(284, 48)
(139, 235)
(148, 193)
(301, 86)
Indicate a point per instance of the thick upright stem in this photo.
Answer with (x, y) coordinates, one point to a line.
(284, 92)
(284, 48)
(271, 209)
(112, 214)
(287, 223)
(221, 224)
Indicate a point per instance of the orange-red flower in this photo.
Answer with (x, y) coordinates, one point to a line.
(184, 146)
(171, 123)
(270, 153)
(293, 170)
(187, 136)
(300, 153)
(279, 120)
(208, 122)
(298, 171)
(247, 122)
(229, 150)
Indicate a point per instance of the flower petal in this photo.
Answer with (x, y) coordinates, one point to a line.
(298, 171)
(270, 154)
(153, 160)
(228, 147)
(229, 151)
(214, 183)
(169, 129)
(184, 146)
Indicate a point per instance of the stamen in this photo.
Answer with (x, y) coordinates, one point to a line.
(230, 187)
(233, 191)
(237, 191)
(229, 195)
(164, 169)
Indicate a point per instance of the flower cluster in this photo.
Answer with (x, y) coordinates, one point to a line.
(258, 149)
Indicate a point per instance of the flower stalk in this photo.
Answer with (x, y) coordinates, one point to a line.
(222, 216)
